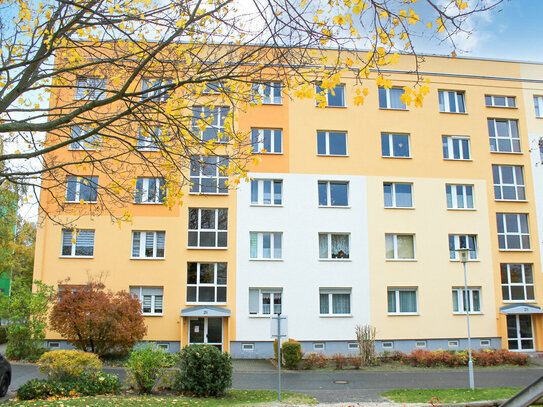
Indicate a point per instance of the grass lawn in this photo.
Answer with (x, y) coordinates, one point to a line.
(233, 398)
(450, 395)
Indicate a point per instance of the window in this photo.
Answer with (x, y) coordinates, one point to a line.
(206, 282)
(388, 345)
(82, 189)
(455, 148)
(513, 233)
(331, 143)
(90, 88)
(504, 136)
(165, 346)
(400, 247)
(155, 89)
(267, 93)
(462, 242)
(208, 175)
(391, 98)
(53, 345)
(451, 101)
(78, 243)
(150, 190)
(148, 245)
(266, 192)
(398, 195)
(209, 123)
(459, 300)
(517, 282)
(395, 145)
(148, 139)
(151, 299)
(248, 347)
(402, 300)
(333, 246)
(333, 193)
(319, 346)
(453, 344)
(332, 97)
(353, 346)
(459, 196)
(508, 183)
(264, 301)
(485, 343)
(90, 143)
(267, 141)
(538, 103)
(500, 101)
(420, 344)
(335, 301)
(265, 245)
(208, 228)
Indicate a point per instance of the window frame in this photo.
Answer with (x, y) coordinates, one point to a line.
(93, 143)
(330, 293)
(515, 148)
(330, 93)
(326, 135)
(259, 88)
(73, 239)
(390, 143)
(459, 293)
(95, 90)
(142, 251)
(79, 181)
(520, 234)
(397, 302)
(395, 247)
(259, 246)
(199, 171)
(454, 197)
(451, 148)
(149, 90)
(445, 101)
(216, 231)
(149, 140)
(138, 291)
(329, 203)
(160, 191)
(258, 140)
(217, 287)
(538, 105)
(330, 255)
(219, 113)
(492, 103)
(456, 240)
(384, 95)
(260, 192)
(272, 292)
(516, 185)
(509, 285)
(394, 197)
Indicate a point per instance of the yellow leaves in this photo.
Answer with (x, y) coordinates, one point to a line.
(383, 14)
(349, 62)
(340, 20)
(403, 14)
(440, 25)
(404, 36)
(461, 4)
(429, 25)
(413, 17)
(382, 82)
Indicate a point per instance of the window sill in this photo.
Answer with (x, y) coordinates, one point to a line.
(458, 159)
(338, 260)
(403, 314)
(335, 315)
(267, 153)
(148, 150)
(507, 152)
(471, 313)
(147, 258)
(393, 108)
(331, 107)
(334, 206)
(206, 303)
(209, 193)
(469, 261)
(251, 259)
(516, 250)
(400, 207)
(152, 315)
(76, 257)
(78, 202)
(332, 155)
(462, 113)
(266, 205)
(511, 200)
(461, 209)
(503, 107)
(206, 248)
(519, 301)
(269, 104)
(261, 316)
(148, 203)
(401, 260)
(391, 156)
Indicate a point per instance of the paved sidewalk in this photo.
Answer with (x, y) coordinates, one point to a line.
(253, 365)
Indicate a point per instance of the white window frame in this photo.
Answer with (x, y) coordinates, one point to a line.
(329, 247)
(510, 136)
(258, 140)
(458, 292)
(53, 344)
(327, 143)
(330, 92)
(256, 245)
(93, 143)
(453, 204)
(90, 88)
(509, 285)
(215, 284)
(393, 197)
(449, 140)
(387, 345)
(151, 93)
(248, 347)
(391, 145)
(319, 346)
(518, 185)
(473, 254)
(420, 344)
(158, 243)
(89, 182)
(484, 343)
(217, 232)
(155, 302)
(395, 247)
(164, 346)
(75, 242)
(272, 292)
(159, 190)
(505, 233)
(388, 98)
(148, 138)
(330, 292)
(397, 310)
(258, 186)
(490, 101)
(329, 194)
(444, 101)
(201, 168)
(202, 114)
(353, 346)
(453, 343)
(258, 92)
(538, 104)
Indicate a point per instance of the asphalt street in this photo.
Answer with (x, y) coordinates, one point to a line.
(346, 386)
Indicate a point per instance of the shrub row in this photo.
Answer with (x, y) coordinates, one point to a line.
(451, 358)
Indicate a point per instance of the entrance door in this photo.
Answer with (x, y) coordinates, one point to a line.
(206, 331)
(520, 332)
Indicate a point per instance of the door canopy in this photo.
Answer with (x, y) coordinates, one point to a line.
(521, 309)
(205, 311)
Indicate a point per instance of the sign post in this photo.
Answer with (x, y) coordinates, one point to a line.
(278, 330)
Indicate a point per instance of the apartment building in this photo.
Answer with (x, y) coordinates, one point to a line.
(352, 217)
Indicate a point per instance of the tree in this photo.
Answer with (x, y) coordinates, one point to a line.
(98, 321)
(106, 76)
(26, 312)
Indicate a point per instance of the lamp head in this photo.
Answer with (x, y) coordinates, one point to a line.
(463, 254)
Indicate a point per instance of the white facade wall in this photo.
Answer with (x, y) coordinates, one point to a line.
(537, 169)
(300, 273)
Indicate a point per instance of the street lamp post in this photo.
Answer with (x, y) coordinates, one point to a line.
(464, 256)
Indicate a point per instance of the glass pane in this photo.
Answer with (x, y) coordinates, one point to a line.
(222, 239)
(324, 304)
(338, 194)
(207, 220)
(385, 145)
(323, 246)
(405, 247)
(221, 273)
(207, 273)
(338, 143)
(254, 192)
(403, 195)
(266, 245)
(321, 142)
(266, 200)
(193, 239)
(408, 301)
(517, 293)
(206, 294)
(340, 246)
(221, 294)
(192, 273)
(336, 96)
(277, 245)
(253, 244)
(389, 241)
(223, 219)
(341, 303)
(207, 239)
(277, 192)
(214, 330)
(196, 328)
(387, 191)
(401, 145)
(391, 296)
(323, 193)
(278, 141)
(382, 98)
(191, 293)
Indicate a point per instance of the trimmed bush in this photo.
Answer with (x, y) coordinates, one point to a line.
(63, 364)
(147, 364)
(340, 360)
(356, 361)
(315, 359)
(292, 354)
(84, 385)
(204, 371)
